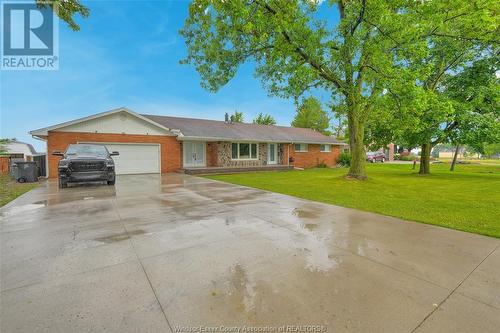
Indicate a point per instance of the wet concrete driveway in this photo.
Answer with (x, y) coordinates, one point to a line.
(175, 252)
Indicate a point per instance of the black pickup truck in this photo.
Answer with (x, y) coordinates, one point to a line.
(86, 163)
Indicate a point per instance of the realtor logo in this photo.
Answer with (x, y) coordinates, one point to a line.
(29, 37)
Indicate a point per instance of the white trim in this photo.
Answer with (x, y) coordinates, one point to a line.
(204, 155)
(325, 151)
(301, 151)
(249, 150)
(44, 131)
(47, 161)
(275, 153)
(121, 143)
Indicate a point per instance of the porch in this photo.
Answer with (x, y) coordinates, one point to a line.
(234, 169)
(217, 155)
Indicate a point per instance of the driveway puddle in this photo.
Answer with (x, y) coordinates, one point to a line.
(23, 208)
(307, 214)
(310, 226)
(119, 237)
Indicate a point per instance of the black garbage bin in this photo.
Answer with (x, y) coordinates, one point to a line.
(25, 172)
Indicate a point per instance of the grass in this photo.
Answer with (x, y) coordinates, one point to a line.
(494, 161)
(9, 189)
(467, 199)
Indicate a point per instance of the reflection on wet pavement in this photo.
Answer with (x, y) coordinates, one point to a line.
(201, 252)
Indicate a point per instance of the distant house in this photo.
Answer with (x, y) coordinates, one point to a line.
(20, 151)
(17, 151)
(449, 154)
(160, 144)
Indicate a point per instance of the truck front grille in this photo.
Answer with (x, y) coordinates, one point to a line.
(87, 166)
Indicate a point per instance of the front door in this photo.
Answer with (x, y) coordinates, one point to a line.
(194, 154)
(272, 153)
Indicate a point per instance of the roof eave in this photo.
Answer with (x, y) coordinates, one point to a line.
(205, 138)
(45, 130)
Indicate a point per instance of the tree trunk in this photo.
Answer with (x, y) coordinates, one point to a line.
(425, 159)
(356, 143)
(452, 168)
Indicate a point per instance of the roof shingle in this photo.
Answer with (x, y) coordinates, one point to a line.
(220, 130)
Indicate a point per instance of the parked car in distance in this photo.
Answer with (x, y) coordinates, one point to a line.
(375, 156)
(86, 163)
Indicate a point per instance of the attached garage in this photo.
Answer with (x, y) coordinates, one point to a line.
(135, 158)
(144, 145)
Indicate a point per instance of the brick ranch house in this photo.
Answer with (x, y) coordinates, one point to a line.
(161, 144)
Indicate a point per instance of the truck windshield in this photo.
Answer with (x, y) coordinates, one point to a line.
(87, 150)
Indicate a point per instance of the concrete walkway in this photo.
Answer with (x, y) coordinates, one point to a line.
(159, 253)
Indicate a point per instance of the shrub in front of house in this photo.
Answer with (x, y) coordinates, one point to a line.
(322, 164)
(410, 157)
(344, 159)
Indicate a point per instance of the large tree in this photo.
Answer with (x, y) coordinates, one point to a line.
(3, 143)
(66, 10)
(475, 94)
(446, 101)
(462, 110)
(350, 49)
(237, 117)
(264, 119)
(310, 114)
(489, 150)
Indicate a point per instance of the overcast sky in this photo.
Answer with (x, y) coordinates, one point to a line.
(126, 54)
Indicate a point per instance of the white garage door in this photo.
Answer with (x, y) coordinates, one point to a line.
(136, 158)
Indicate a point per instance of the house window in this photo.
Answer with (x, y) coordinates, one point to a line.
(254, 150)
(300, 147)
(325, 148)
(234, 151)
(243, 151)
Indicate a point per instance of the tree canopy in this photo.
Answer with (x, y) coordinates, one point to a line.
(475, 96)
(365, 48)
(491, 149)
(427, 109)
(463, 108)
(310, 114)
(264, 119)
(66, 10)
(237, 117)
(3, 148)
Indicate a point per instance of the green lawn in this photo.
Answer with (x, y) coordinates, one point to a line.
(467, 199)
(9, 189)
(494, 161)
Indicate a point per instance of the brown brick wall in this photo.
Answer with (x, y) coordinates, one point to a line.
(212, 154)
(313, 156)
(4, 164)
(170, 147)
(308, 159)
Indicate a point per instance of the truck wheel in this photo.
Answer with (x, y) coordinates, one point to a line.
(21, 179)
(63, 183)
(111, 182)
(383, 160)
